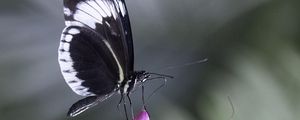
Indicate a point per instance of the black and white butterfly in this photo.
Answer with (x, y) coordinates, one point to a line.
(96, 52)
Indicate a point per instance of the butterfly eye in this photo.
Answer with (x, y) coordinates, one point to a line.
(147, 76)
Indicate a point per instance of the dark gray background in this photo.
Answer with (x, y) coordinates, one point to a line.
(252, 47)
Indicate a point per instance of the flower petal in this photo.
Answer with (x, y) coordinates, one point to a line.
(143, 115)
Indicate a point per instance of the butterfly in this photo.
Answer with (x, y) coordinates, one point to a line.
(96, 52)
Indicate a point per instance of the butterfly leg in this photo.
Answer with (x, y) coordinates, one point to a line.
(119, 104)
(130, 103)
(122, 100)
(162, 85)
(124, 105)
(143, 97)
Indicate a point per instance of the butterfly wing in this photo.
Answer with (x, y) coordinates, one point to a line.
(82, 105)
(96, 50)
(86, 63)
(86, 103)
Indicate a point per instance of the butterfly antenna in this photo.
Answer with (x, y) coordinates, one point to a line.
(162, 75)
(184, 65)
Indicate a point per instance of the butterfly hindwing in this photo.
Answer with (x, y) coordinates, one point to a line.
(86, 62)
(86, 103)
(82, 105)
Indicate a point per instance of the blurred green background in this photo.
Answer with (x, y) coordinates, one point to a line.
(253, 49)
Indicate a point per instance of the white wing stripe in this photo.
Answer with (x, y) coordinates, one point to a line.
(121, 73)
(113, 10)
(74, 23)
(122, 8)
(86, 19)
(104, 6)
(90, 12)
(88, 8)
(95, 5)
(116, 5)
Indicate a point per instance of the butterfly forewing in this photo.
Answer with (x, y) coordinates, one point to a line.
(96, 50)
(107, 17)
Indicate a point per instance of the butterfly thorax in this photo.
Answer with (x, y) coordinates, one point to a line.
(127, 85)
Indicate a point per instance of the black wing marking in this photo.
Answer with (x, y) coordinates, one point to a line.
(86, 103)
(128, 35)
(85, 62)
(109, 18)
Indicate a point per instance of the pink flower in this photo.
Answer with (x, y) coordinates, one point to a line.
(143, 115)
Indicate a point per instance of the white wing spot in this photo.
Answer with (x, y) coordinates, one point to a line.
(73, 31)
(68, 38)
(67, 11)
(62, 36)
(66, 46)
(65, 55)
(107, 23)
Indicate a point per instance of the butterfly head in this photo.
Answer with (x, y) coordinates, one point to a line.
(141, 76)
